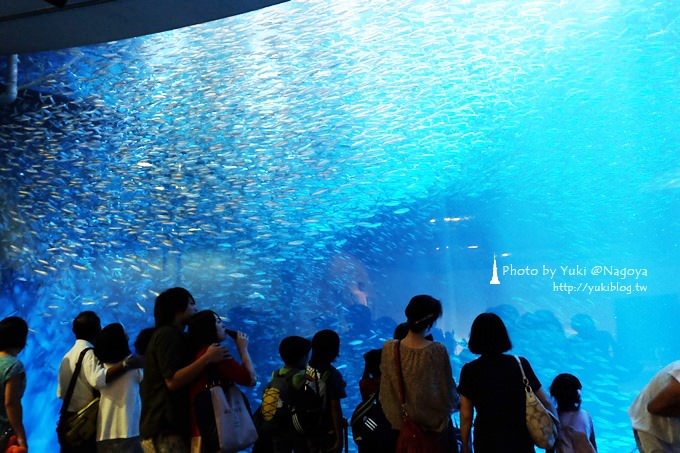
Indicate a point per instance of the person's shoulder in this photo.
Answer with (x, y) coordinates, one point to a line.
(164, 333)
(337, 381)
(10, 362)
(79, 346)
(332, 374)
(297, 378)
(437, 348)
(673, 369)
(585, 414)
(165, 330)
(166, 340)
(471, 365)
(389, 344)
(523, 360)
(8, 359)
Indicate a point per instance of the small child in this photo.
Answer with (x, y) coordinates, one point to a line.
(577, 434)
(320, 373)
(276, 435)
(372, 432)
(369, 383)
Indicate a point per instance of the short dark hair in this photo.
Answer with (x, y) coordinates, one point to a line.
(488, 335)
(202, 328)
(294, 350)
(143, 339)
(87, 325)
(372, 364)
(564, 389)
(13, 333)
(169, 303)
(422, 312)
(325, 347)
(112, 344)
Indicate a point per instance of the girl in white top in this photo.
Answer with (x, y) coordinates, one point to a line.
(119, 404)
(577, 434)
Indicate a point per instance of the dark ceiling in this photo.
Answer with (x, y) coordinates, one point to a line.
(35, 25)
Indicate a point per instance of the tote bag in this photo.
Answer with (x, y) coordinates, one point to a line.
(541, 423)
(79, 428)
(224, 419)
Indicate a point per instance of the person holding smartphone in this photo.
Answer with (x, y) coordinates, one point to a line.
(204, 329)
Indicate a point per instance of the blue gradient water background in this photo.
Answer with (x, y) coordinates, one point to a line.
(271, 161)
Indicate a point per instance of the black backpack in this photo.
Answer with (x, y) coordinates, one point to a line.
(275, 413)
(308, 404)
(371, 430)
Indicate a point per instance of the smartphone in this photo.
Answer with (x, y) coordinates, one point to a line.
(231, 333)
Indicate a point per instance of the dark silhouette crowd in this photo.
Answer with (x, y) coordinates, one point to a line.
(145, 396)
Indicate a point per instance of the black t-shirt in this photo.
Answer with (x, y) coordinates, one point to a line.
(494, 385)
(163, 411)
(334, 386)
(334, 382)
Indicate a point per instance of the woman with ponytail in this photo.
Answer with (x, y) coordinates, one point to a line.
(428, 390)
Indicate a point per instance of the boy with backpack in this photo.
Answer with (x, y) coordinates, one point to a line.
(371, 430)
(323, 379)
(274, 417)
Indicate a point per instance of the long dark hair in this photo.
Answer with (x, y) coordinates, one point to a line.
(202, 328)
(422, 312)
(112, 344)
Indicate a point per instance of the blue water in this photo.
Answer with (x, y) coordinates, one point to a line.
(269, 162)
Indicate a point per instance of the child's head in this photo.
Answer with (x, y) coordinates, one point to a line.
(325, 347)
(372, 364)
(566, 389)
(294, 351)
(112, 344)
(143, 339)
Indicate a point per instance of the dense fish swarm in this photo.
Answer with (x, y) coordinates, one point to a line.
(282, 163)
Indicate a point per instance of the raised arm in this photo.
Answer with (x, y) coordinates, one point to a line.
(667, 402)
(242, 346)
(189, 373)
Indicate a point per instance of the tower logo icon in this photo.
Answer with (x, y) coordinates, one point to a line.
(494, 275)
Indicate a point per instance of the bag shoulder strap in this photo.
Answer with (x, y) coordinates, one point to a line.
(400, 378)
(282, 380)
(312, 375)
(72, 383)
(525, 381)
(213, 375)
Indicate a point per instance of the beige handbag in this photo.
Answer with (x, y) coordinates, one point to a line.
(541, 423)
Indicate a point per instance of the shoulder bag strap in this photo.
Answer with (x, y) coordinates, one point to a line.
(525, 381)
(213, 376)
(400, 378)
(72, 383)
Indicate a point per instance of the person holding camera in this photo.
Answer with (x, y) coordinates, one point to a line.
(168, 373)
(204, 329)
